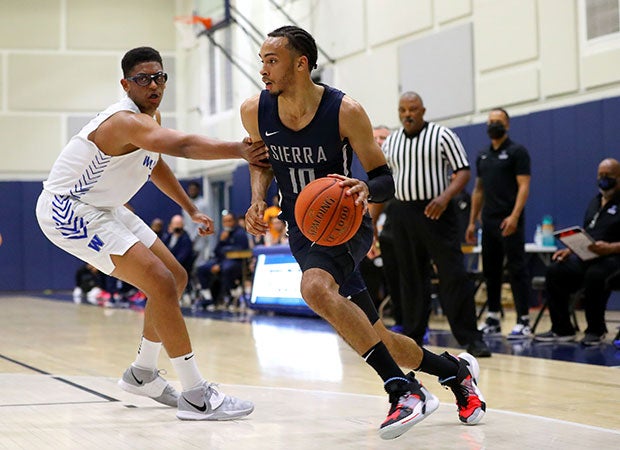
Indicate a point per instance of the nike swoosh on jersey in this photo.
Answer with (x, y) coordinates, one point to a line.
(267, 133)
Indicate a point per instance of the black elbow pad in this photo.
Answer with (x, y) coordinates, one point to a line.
(380, 184)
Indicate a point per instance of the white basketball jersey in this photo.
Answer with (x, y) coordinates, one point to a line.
(85, 173)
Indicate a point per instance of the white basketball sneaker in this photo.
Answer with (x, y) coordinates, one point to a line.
(148, 383)
(206, 402)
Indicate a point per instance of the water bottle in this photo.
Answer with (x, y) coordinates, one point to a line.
(479, 237)
(547, 231)
(538, 236)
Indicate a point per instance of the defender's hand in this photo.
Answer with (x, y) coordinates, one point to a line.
(255, 152)
(205, 223)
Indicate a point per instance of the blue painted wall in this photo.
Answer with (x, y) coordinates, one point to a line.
(565, 144)
(28, 261)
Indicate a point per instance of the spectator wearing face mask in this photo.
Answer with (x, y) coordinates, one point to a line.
(179, 243)
(219, 274)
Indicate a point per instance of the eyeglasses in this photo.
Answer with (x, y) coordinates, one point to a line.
(144, 79)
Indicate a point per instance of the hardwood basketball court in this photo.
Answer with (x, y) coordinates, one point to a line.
(59, 363)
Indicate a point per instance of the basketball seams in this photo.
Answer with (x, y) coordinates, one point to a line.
(302, 224)
(333, 212)
(325, 214)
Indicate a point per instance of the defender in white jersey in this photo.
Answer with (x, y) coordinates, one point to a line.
(81, 211)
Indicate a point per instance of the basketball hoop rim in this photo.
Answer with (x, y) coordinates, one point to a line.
(207, 22)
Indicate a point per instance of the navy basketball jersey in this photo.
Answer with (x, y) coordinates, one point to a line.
(299, 157)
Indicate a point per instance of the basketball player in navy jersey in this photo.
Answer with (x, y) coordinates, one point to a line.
(310, 131)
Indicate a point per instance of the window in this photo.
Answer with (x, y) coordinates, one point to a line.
(602, 18)
(220, 91)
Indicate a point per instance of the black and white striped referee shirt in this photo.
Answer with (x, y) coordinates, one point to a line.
(421, 164)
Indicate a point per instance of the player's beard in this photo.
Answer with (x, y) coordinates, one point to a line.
(284, 82)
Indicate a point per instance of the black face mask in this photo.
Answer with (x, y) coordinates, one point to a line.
(607, 183)
(177, 230)
(496, 130)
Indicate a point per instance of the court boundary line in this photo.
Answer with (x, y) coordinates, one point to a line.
(58, 378)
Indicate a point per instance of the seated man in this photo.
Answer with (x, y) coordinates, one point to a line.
(179, 243)
(219, 267)
(569, 273)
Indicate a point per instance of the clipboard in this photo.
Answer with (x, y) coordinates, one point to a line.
(576, 239)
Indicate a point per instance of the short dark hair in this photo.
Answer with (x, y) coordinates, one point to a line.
(139, 55)
(504, 111)
(299, 40)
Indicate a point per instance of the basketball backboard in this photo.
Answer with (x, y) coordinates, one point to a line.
(217, 10)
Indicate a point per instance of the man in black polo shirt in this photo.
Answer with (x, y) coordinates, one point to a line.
(501, 190)
(568, 273)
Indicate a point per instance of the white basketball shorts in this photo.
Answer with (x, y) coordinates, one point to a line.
(89, 233)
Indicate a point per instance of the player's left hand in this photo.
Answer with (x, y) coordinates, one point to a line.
(205, 223)
(356, 187)
(436, 207)
(255, 153)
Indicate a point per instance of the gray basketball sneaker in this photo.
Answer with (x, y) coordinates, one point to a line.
(149, 383)
(205, 402)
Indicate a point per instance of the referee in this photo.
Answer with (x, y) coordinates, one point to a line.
(425, 226)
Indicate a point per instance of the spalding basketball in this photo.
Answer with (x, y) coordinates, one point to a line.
(325, 215)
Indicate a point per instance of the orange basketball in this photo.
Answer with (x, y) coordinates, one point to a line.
(325, 215)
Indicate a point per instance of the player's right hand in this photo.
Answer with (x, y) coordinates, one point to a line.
(254, 223)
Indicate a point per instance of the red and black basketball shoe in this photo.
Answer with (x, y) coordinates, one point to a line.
(410, 404)
(464, 385)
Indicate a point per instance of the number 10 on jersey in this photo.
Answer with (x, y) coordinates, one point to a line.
(300, 178)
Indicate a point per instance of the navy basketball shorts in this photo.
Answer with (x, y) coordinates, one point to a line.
(340, 261)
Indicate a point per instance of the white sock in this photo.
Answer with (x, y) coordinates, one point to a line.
(494, 315)
(187, 370)
(148, 353)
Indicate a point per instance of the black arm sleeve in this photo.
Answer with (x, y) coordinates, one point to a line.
(380, 184)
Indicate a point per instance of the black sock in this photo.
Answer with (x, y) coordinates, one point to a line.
(437, 365)
(380, 359)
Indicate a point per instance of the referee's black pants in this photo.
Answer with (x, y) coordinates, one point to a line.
(495, 248)
(417, 240)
